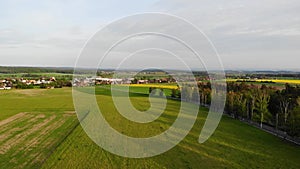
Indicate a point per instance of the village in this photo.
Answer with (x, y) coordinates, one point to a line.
(9, 83)
(21, 83)
(81, 82)
(52, 82)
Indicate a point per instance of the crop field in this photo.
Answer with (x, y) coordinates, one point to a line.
(37, 131)
(135, 89)
(27, 139)
(285, 81)
(162, 86)
(280, 81)
(33, 122)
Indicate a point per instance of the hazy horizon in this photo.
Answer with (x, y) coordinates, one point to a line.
(248, 35)
(129, 69)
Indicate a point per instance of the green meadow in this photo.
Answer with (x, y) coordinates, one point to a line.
(39, 129)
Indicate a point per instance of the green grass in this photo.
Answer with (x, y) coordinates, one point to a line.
(233, 145)
(134, 90)
(27, 141)
(34, 100)
(226, 149)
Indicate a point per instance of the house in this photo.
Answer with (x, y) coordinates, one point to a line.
(5, 84)
(2, 86)
(164, 80)
(52, 79)
(128, 80)
(29, 82)
(100, 80)
(38, 82)
(116, 81)
(142, 82)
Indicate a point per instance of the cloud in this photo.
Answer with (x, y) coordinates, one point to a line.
(240, 29)
(42, 30)
(263, 30)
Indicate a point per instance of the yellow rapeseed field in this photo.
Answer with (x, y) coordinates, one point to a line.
(287, 81)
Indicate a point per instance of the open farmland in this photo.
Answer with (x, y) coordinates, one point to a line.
(33, 122)
(162, 86)
(27, 139)
(279, 81)
(226, 148)
(233, 145)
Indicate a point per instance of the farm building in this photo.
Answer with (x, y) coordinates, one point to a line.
(142, 82)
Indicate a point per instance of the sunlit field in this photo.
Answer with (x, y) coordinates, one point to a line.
(57, 145)
(33, 123)
(161, 86)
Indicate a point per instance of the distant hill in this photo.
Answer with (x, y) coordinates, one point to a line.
(13, 70)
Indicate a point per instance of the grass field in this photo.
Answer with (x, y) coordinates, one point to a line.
(159, 85)
(32, 123)
(233, 145)
(141, 90)
(27, 139)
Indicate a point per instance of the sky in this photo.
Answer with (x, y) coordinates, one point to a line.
(247, 34)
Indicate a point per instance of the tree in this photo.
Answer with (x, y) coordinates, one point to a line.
(230, 102)
(284, 104)
(274, 107)
(161, 92)
(176, 93)
(195, 95)
(262, 101)
(294, 122)
(241, 105)
(251, 105)
(206, 96)
(288, 100)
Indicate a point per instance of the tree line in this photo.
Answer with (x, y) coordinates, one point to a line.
(14, 70)
(278, 108)
(266, 105)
